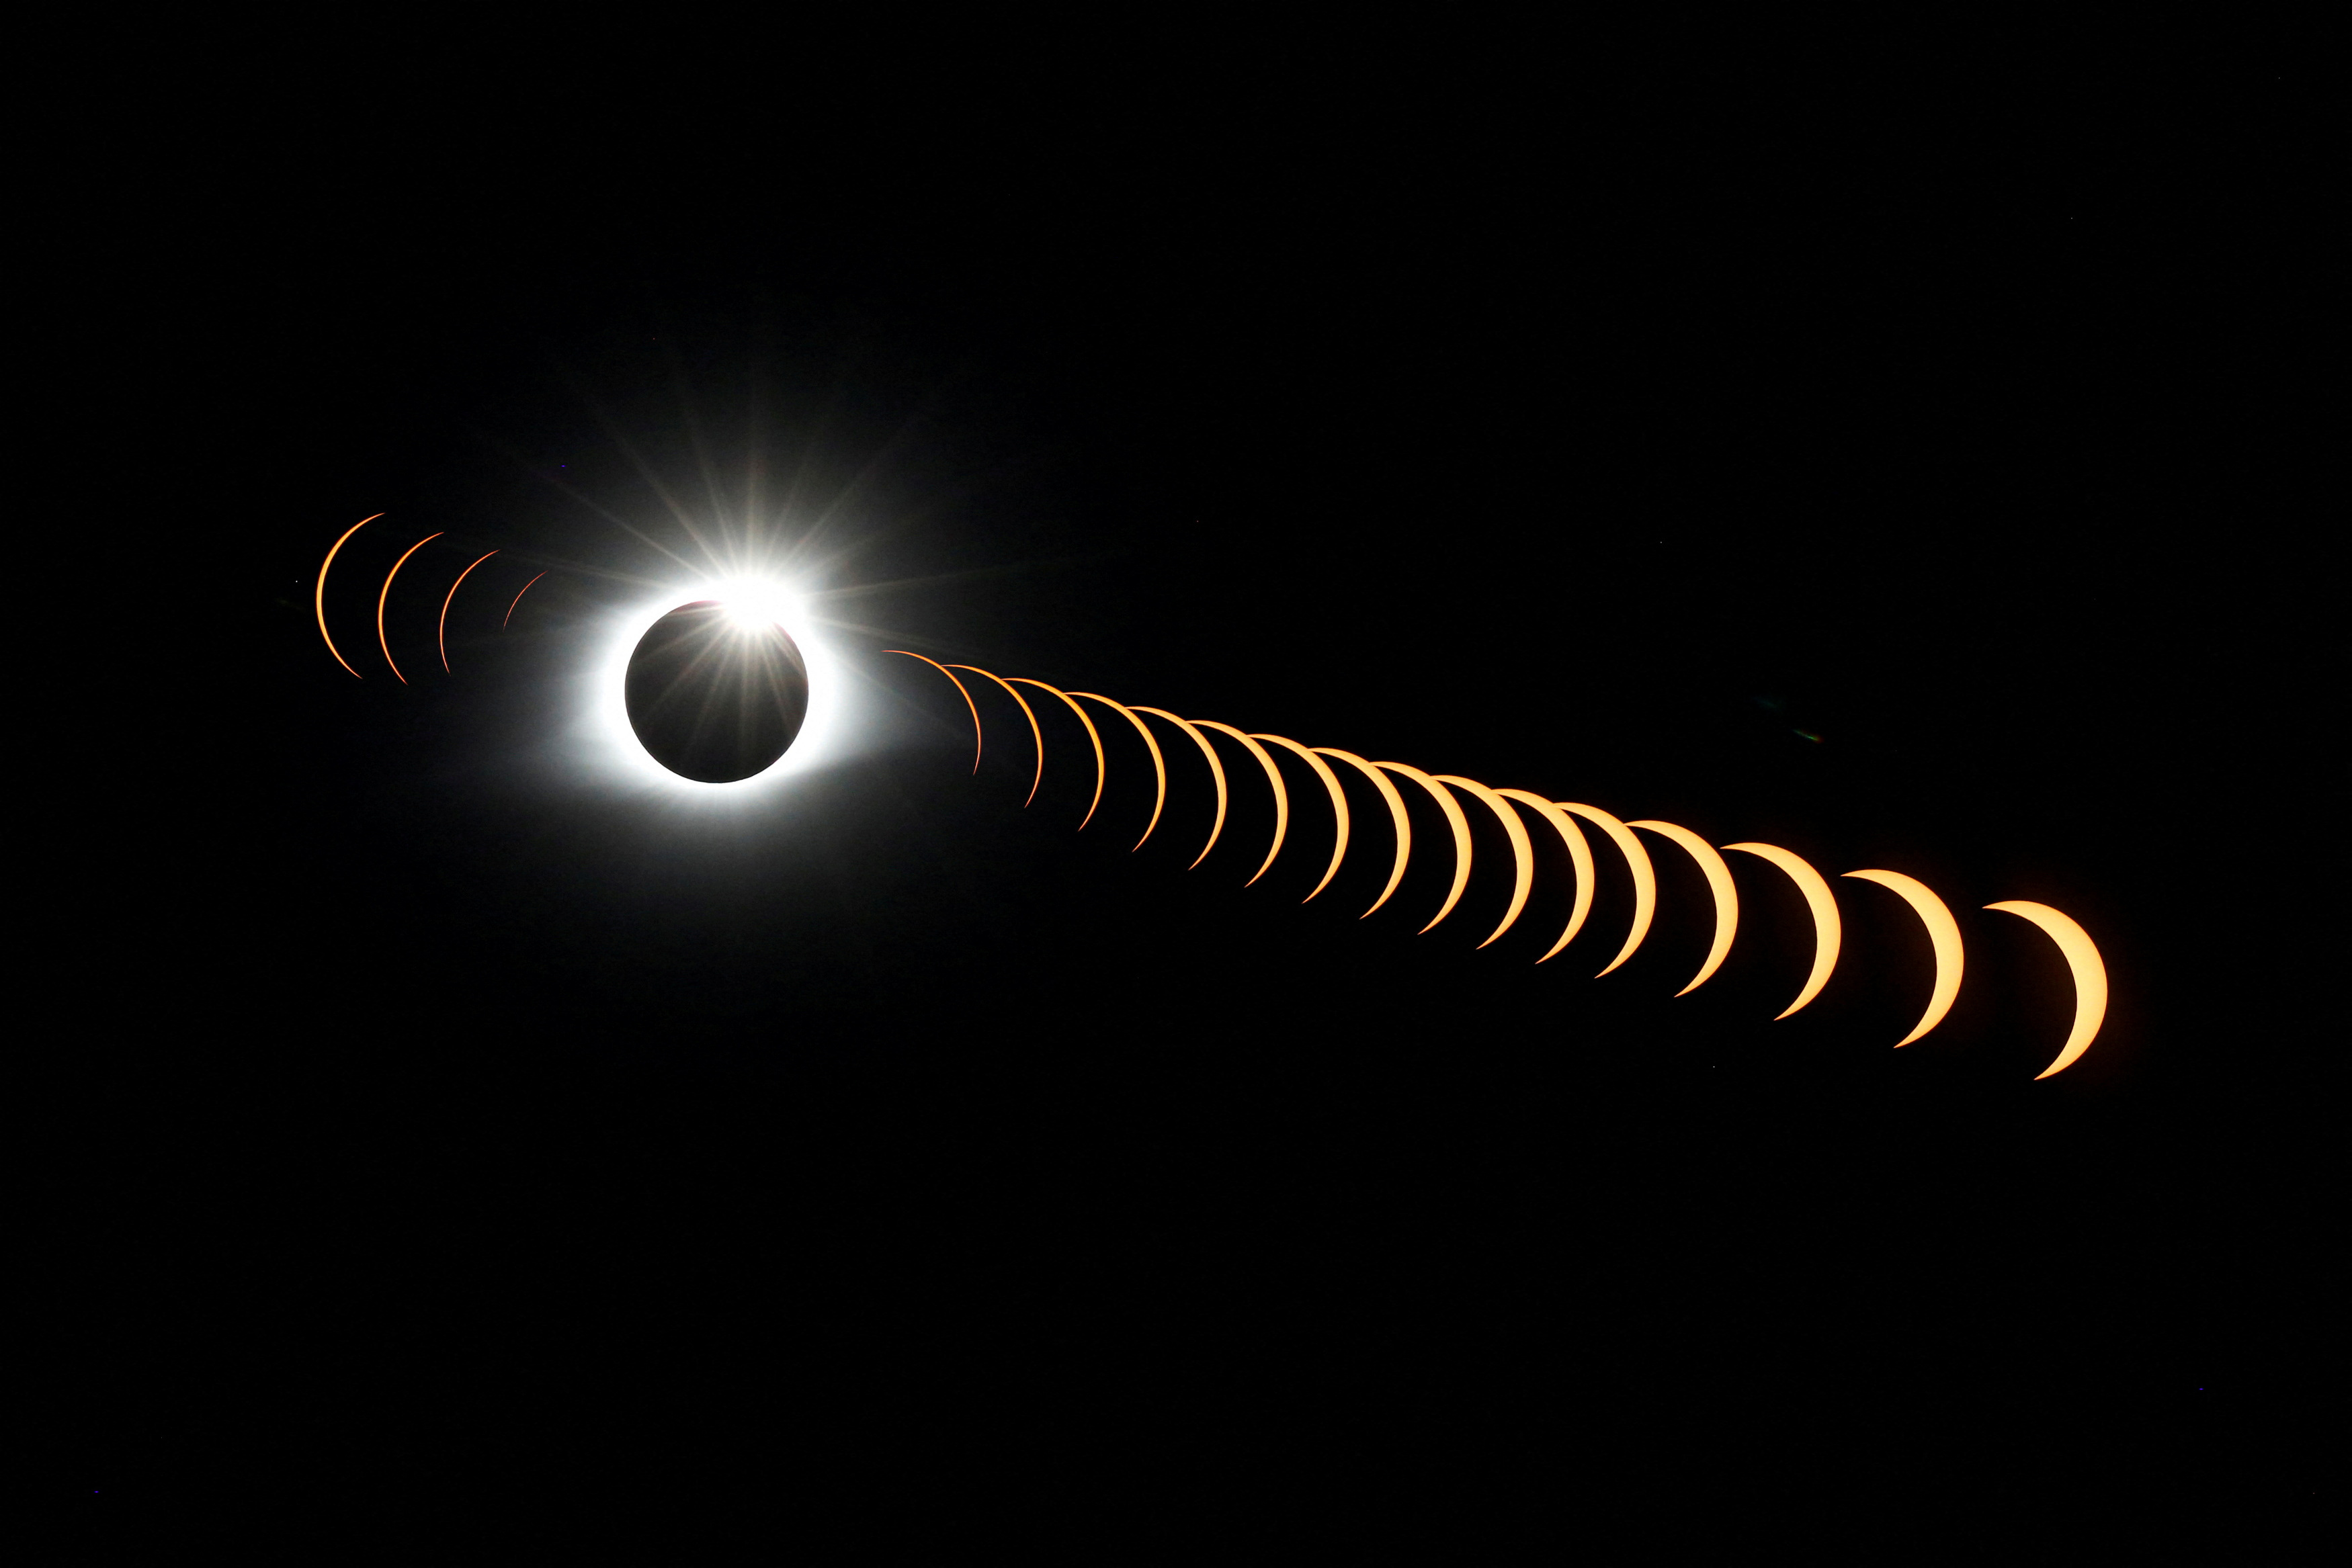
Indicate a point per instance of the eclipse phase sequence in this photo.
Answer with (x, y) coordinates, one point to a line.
(716, 691)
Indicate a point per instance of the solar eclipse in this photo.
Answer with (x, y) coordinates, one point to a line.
(717, 691)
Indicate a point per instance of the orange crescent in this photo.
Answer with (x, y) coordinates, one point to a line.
(1522, 854)
(951, 675)
(518, 599)
(1637, 861)
(1454, 820)
(2090, 977)
(322, 591)
(1339, 806)
(1828, 932)
(1216, 771)
(386, 593)
(1396, 813)
(1943, 934)
(1719, 882)
(1273, 777)
(1159, 763)
(1579, 855)
(441, 635)
(1035, 733)
(1092, 733)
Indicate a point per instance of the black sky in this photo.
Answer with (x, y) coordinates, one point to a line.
(1908, 467)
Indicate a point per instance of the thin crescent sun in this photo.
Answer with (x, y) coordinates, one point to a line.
(1827, 931)
(1274, 778)
(381, 640)
(1092, 733)
(518, 599)
(1159, 763)
(1037, 733)
(2090, 977)
(933, 664)
(1396, 813)
(1637, 861)
(1579, 855)
(441, 634)
(1522, 854)
(1216, 771)
(1454, 820)
(321, 595)
(1943, 935)
(1339, 804)
(1719, 882)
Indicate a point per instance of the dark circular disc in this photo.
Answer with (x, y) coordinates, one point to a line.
(713, 697)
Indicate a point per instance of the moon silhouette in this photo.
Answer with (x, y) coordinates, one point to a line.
(1092, 733)
(1216, 771)
(1523, 855)
(714, 699)
(1579, 855)
(1338, 807)
(1037, 733)
(386, 593)
(1454, 820)
(518, 599)
(934, 664)
(1637, 861)
(1159, 763)
(321, 595)
(2090, 977)
(1273, 777)
(1396, 813)
(1943, 934)
(1827, 932)
(1719, 882)
(441, 634)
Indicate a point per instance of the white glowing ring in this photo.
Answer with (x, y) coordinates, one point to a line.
(754, 600)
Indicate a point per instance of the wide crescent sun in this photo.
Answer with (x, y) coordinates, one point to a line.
(2090, 976)
(1943, 935)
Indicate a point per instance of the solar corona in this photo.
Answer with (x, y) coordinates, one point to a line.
(716, 687)
(717, 692)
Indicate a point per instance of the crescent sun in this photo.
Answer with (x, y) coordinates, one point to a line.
(1943, 934)
(441, 635)
(1037, 733)
(518, 599)
(1579, 855)
(1159, 763)
(1454, 820)
(1827, 931)
(386, 593)
(1216, 771)
(1719, 882)
(1339, 805)
(1274, 778)
(321, 595)
(2090, 977)
(934, 664)
(1637, 861)
(1396, 814)
(1092, 733)
(1523, 855)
